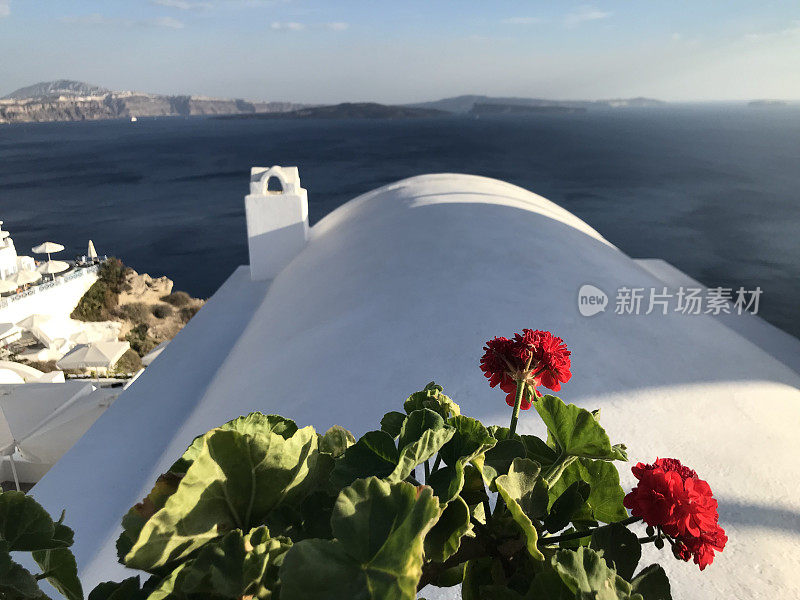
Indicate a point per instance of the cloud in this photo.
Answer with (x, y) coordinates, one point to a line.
(787, 32)
(182, 4)
(5, 8)
(295, 26)
(96, 19)
(287, 26)
(583, 14)
(167, 22)
(522, 21)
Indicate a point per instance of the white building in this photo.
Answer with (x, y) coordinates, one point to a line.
(10, 262)
(403, 285)
(53, 297)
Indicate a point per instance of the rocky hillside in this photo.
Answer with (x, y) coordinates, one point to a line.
(60, 87)
(149, 310)
(67, 100)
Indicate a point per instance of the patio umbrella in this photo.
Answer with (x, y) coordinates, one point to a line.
(96, 355)
(47, 248)
(39, 422)
(91, 252)
(33, 321)
(24, 277)
(51, 267)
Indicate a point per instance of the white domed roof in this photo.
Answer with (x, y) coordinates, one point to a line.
(403, 285)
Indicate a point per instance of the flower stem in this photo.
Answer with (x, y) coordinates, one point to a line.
(549, 541)
(517, 403)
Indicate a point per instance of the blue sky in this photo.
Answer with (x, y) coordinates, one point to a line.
(329, 51)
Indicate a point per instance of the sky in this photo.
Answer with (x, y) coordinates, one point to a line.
(324, 51)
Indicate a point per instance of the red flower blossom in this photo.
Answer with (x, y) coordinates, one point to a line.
(672, 497)
(533, 358)
(701, 548)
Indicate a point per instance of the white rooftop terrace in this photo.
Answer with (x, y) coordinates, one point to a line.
(402, 286)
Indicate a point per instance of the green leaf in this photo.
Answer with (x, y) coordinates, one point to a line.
(316, 511)
(392, 423)
(236, 566)
(473, 491)
(373, 455)
(138, 515)
(444, 539)
(499, 592)
(606, 495)
(477, 574)
(501, 433)
(418, 451)
(26, 526)
(566, 505)
(378, 551)
(652, 583)
(234, 483)
(525, 495)
(61, 571)
(433, 398)
(547, 585)
(417, 423)
(127, 589)
(537, 450)
(469, 443)
(586, 573)
(335, 441)
(498, 459)
(450, 577)
(620, 548)
(575, 430)
(255, 423)
(15, 580)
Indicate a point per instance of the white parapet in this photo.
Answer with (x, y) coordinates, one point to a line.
(277, 220)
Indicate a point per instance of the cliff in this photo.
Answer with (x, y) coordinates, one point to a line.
(66, 100)
(348, 110)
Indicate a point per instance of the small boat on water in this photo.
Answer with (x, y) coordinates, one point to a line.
(134, 119)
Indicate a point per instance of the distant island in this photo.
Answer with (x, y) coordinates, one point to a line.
(492, 108)
(465, 104)
(70, 100)
(348, 110)
(767, 103)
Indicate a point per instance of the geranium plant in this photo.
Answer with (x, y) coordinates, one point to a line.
(260, 508)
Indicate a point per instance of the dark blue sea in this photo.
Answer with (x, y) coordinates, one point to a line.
(714, 190)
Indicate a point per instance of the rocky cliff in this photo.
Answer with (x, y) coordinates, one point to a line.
(66, 100)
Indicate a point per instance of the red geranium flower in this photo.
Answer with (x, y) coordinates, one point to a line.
(701, 548)
(672, 497)
(533, 358)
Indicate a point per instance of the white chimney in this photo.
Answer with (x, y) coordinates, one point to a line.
(277, 220)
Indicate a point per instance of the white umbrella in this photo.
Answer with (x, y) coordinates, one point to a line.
(24, 276)
(96, 355)
(39, 422)
(51, 267)
(6, 285)
(47, 248)
(91, 252)
(33, 321)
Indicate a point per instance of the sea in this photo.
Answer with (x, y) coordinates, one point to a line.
(713, 189)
